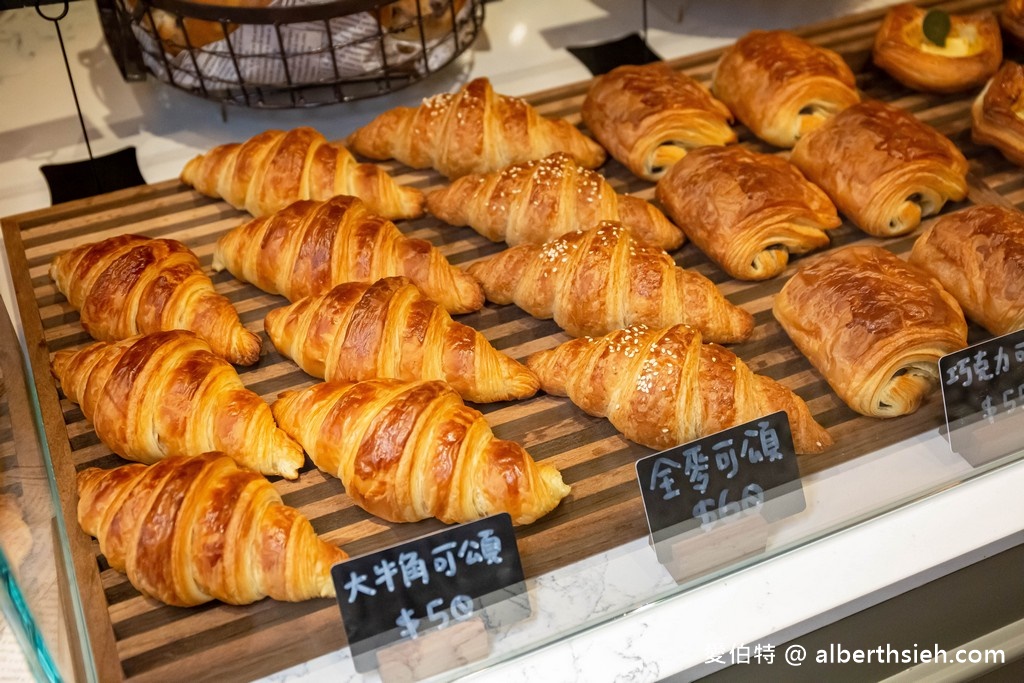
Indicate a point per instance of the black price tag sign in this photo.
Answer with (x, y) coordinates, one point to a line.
(427, 584)
(983, 394)
(723, 474)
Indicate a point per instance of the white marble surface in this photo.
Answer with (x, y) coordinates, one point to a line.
(521, 53)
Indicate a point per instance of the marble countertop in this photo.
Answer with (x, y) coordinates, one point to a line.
(616, 616)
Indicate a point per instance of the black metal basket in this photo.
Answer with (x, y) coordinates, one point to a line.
(303, 55)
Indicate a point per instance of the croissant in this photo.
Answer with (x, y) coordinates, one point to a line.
(472, 131)
(977, 254)
(748, 212)
(190, 530)
(598, 280)
(649, 116)
(129, 285)
(275, 168)
(882, 167)
(309, 247)
(782, 87)
(662, 388)
(996, 114)
(966, 58)
(166, 394)
(537, 201)
(358, 331)
(873, 325)
(406, 451)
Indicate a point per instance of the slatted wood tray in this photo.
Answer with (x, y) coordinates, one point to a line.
(138, 638)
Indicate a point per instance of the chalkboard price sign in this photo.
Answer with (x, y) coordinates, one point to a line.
(700, 482)
(427, 584)
(983, 394)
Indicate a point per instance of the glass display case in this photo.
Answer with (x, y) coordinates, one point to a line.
(889, 500)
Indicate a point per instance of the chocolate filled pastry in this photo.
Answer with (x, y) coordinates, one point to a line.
(474, 130)
(662, 388)
(997, 114)
(978, 256)
(782, 87)
(537, 201)
(271, 170)
(882, 167)
(598, 280)
(747, 211)
(649, 116)
(190, 530)
(873, 325)
(961, 54)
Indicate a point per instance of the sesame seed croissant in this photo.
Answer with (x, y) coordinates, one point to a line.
(664, 387)
(474, 130)
(190, 530)
(598, 280)
(536, 201)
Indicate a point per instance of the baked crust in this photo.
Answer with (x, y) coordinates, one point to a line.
(873, 325)
(997, 114)
(882, 167)
(978, 256)
(747, 211)
(973, 50)
(649, 116)
(782, 87)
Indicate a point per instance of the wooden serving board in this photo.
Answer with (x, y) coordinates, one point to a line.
(135, 637)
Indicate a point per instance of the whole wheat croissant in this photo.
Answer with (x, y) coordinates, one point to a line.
(406, 451)
(662, 388)
(190, 530)
(358, 331)
(537, 201)
(275, 168)
(598, 280)
(309, 247)
(129, 285)
(166, 394)
(474, 130)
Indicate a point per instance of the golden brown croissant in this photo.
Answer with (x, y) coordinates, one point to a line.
(997, 114)
(977, 254)
(309, 247)
(748, 212)
(537, 201)
(873, 325)
(602, 279)
(663, 387)
(406, 451)
(782, 87)
(188, 530)
(648, 116)
(967, 57)
(882, 167)
(129, 285)
(166, 394)
(358, 331)
(474, 130)
(275, 168)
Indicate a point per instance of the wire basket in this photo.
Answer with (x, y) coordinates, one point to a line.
(289, 53)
